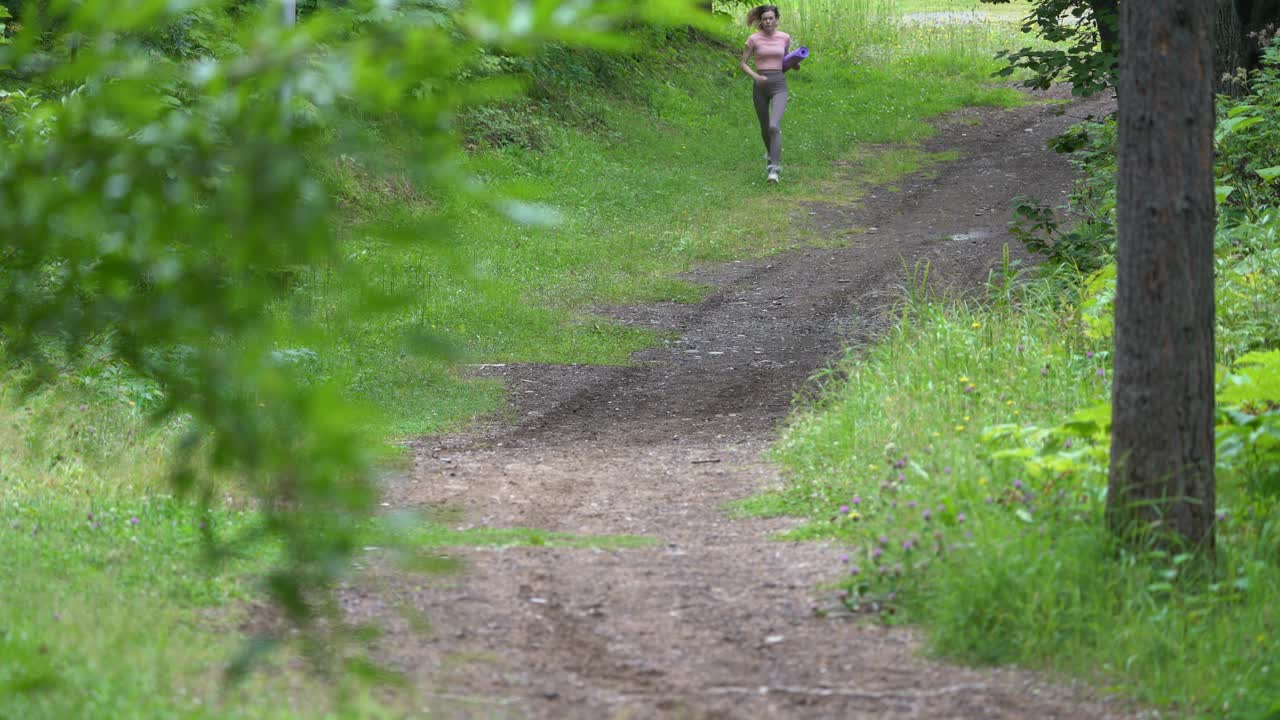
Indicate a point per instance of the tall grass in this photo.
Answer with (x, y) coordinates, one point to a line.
(948, 32)
(906, 459)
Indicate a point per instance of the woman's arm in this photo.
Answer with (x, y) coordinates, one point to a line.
(746, 55)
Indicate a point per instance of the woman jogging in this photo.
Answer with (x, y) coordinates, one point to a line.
(768, 46)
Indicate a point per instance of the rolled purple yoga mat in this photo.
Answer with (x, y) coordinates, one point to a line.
(794, 57)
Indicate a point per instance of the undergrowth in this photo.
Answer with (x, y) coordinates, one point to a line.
(963, 461)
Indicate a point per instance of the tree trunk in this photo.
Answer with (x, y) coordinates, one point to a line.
(1106, 15)
(1229, 48)
(1162, 448)
(1258, 18)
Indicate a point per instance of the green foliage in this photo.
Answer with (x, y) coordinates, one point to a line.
(963, 461)
(1247, 291)
(1097, 300)
(1247, 279)
(997, 542)
(1083, 52)
(1247, 141)
(159, 209)
(106, 608)
(1089, 243)
(1249, 423)
(996, 539)
(159, 228)
(1085, 247)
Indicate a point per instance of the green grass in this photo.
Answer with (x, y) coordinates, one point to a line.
(933, 458)
(109, 607)
(649, 171)
(654, 166)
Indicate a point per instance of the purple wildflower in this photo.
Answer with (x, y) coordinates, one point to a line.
(960, 518)
(876, 553)
(968, 389)
(912, 504)
(844, 559)
(926, 515)
(844, 509)
(883, 540)
(1017, 484)
(1044, 371)
(946, 470)
(906, 544)
(854, 570)
(1102, 372)
(857, 500)
(1066, 444)
(133, 520)
(1089, 354)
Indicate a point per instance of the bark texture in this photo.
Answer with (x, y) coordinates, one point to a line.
(1162, 431)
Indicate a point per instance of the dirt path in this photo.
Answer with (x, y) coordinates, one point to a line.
(716, 620)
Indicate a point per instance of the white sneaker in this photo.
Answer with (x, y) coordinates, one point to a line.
(773, 177)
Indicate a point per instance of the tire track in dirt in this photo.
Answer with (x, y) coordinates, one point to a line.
(715, 621)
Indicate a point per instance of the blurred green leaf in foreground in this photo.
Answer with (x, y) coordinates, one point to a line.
(158, 194)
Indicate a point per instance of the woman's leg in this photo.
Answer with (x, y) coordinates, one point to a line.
(760, 96)
(774, 131)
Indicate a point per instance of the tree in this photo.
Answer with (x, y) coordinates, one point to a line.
(1162, 451)
(1087, 41)
(1085, 49)
(1238, 29)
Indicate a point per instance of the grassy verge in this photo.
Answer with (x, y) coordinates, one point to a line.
(109, 607)
(961, 461)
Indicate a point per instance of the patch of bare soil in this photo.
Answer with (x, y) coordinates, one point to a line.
(716, 620)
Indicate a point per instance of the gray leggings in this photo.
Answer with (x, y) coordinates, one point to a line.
(770, 98)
